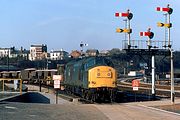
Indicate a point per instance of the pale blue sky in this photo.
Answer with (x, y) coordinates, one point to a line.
(65, 23)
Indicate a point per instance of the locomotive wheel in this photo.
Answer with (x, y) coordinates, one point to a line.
(83, 94)
(88, 95)
(94, 97)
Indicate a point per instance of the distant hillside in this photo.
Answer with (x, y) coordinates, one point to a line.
(120, 59)
(134, 62)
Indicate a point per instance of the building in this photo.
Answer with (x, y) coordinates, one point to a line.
(22, 54)
(13, 53)
(5, 52)
(58, 55)
(38, 52)
(135, 74)
(92, 52)
(104, 53)
(75, 54)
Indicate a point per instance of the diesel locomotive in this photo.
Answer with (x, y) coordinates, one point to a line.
(92, 78)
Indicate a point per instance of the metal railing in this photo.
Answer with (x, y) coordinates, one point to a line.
(142, 44)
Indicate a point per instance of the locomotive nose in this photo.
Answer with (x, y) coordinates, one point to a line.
(102, 76)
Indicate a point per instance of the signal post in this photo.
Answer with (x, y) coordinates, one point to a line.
(127, 30)
(150, 35)
(153, 48)
(168, 25)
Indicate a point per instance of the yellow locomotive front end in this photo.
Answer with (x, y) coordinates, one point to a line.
(102, 77)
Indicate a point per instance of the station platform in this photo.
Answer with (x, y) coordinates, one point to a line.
(65, 110)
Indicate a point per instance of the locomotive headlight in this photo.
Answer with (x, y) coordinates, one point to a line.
(108, 74)
(93, 82)
(98, 74)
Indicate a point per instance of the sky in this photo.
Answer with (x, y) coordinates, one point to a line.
(65, 23)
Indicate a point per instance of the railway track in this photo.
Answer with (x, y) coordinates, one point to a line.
(145, 88)
(126, 93)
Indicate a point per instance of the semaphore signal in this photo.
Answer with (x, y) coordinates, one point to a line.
(128, 15)
(168, 25)
(148, 33)
(125, 30)
(121, 14)
(128, 29)
(167, 9)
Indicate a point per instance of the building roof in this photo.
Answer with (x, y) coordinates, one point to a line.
(92, 51)
(58, 51)
(20, 52)
(75, 54)
(38, 45)
(4, 48)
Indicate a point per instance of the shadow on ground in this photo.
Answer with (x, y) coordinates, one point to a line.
(125, 97)
(30, 97)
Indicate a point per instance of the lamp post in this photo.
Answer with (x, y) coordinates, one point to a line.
(8, 59)
(82, 46)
